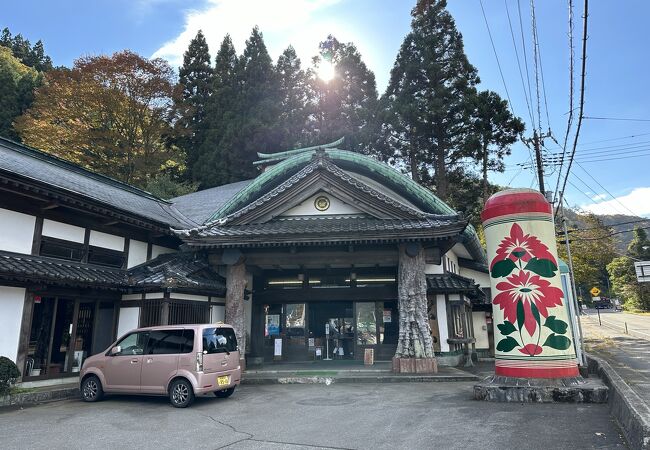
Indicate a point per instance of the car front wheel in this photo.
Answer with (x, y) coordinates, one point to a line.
(181, 394)
(225, 393)
(91, 389)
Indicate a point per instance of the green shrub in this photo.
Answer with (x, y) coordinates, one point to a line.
(9, 373)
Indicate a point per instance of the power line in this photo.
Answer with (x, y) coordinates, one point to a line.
(627, 119)
(605, 189)
(614, 233)
(571, 78)
(582, 99)
(609, 226)
(497, 57)
(523, 46)
(535, 59)
(541, 65)
(521, 75)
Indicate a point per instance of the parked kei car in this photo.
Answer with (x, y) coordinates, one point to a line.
(180, 361)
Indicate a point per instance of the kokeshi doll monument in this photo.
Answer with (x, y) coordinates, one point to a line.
(532, 329)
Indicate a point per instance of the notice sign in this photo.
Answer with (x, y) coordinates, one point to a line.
(311, 342)
(388, 317)
(277, 350)
(319, 351)
(273, 325)
(327, 328)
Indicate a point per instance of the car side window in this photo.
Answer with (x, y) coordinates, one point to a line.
(164, 342)
(133, 344)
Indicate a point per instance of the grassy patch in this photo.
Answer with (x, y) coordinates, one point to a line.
(18, 390)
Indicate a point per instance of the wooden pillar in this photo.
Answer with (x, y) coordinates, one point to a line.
(415, 345)
(235, 285)
(25, 330)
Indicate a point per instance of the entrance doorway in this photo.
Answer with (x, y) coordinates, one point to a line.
(337, 318)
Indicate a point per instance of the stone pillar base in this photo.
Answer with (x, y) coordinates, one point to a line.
(415, 365)
(543, 390)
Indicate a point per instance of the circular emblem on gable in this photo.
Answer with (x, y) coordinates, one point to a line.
(322, 203)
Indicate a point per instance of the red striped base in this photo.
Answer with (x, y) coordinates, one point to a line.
(537, 372)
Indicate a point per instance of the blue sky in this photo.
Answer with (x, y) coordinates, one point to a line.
(616, 64)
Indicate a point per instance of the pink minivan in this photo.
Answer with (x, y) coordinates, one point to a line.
(180, 361)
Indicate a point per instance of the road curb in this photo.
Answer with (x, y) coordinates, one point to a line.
(37, 397)
(357, 379)
(629, 410)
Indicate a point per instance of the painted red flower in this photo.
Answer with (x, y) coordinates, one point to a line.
(521, 246)
(531, 349)
(530, 290)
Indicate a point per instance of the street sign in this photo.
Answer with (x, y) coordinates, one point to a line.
(594, 291)
(642, 269)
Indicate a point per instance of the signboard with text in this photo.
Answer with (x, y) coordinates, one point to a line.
(642, 269)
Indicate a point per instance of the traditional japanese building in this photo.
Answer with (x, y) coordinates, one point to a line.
(305, 258)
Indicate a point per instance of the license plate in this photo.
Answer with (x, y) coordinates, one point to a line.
(223, 381)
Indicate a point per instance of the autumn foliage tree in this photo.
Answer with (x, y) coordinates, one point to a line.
(111, 114)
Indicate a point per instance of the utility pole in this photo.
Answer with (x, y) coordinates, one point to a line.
(537, 142)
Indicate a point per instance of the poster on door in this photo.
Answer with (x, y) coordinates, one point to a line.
(388, 317)
(272, 326)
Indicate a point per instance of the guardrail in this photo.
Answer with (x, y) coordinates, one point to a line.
(621, 328)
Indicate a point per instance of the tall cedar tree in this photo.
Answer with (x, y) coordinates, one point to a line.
(295, 101)
(111, 114)
(493, 130)
(32, 56)
(195, 80)
(426, 102)
(259, 108)
(345, 105)
(212, 167)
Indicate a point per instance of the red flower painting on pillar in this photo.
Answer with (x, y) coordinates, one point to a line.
(525, 296)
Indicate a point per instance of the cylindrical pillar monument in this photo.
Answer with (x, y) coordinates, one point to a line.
(532, 333)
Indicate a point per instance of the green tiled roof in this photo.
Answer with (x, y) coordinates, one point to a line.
(294, 160)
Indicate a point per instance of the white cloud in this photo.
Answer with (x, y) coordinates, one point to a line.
(301, 23)
(598, 197)
(637, 201)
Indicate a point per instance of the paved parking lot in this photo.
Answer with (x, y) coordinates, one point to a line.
(339, 416)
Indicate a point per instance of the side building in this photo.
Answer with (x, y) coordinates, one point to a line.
(306, 256)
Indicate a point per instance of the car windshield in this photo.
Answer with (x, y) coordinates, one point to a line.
(219, 340)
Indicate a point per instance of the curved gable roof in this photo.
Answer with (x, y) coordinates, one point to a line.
(290, 163)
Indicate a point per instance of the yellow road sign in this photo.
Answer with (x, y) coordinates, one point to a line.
(595, 291)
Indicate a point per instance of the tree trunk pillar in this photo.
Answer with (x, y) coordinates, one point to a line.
(235, 286)
(415, 346)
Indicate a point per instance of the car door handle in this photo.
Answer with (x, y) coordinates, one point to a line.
(224, 363)
(149, 360)
(134, 361)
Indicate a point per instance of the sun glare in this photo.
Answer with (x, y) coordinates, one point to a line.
(326, 71)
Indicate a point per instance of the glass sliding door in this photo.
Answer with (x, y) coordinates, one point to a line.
(64, 331)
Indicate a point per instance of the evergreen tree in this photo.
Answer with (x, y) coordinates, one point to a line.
(259, 106)
(493, 130)
(213, 159)
(195, 80)
(295, 99)
(17, 84)
(426, 102)
(22, 49)
(347, 103)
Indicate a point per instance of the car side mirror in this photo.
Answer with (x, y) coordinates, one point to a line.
(115, 350)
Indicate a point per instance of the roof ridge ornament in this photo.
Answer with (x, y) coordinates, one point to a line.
(267, 158)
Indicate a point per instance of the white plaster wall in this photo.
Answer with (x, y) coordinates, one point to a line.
(16, 231)
(131, 296)
(154, 295)
(218, 313)
(105, 240)
(433, 269)
(307, 208)
(64, 231)
(157, 250)
(137, 253)
(480, 278)
(196, 298)
(129, 319)
(443, 328)
(12, 300)
(480, 330)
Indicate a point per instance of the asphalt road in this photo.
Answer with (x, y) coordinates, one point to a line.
(637, 326)
(628, 353)
(339, 416)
